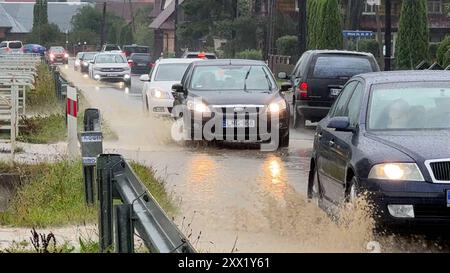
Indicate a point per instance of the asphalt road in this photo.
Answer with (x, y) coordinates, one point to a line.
(232, 198)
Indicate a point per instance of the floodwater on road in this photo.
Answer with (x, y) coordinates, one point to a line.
(233, 198)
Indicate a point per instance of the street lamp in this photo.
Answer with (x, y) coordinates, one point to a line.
(388, 36)
(302, 24)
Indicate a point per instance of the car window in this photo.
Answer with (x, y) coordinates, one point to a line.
(110, 59)
(409, 106)
(339, 107)
(354, 105)
(15, 45)
(140, 57)
(170, 72)
(57, 49)
(300, 64)
(88, 56)
(329, 66)
(2, 45)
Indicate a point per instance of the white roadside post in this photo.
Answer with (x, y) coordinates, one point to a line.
(72, 109)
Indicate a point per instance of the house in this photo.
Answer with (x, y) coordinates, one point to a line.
(16, 18)
(439, 22)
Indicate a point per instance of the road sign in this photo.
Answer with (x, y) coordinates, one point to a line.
(357, 34)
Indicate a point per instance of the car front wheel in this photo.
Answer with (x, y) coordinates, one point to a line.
(314, 191)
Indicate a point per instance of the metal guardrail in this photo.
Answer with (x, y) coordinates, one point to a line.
(139, 211)
(424, 65)
(17, 75)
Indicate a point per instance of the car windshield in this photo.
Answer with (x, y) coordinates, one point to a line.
(57, 49)
(410, 106)
(137, 49)
(171, 72)
(15, 45)
(106, 59)
(111, 47)
(336, 66)
(232, 77)
(89, 56)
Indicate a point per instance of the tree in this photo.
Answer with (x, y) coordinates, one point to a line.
(43, 32)
(324, 24)
(413, 35)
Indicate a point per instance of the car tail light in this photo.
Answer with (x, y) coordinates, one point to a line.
(131, 63)
(151, 65)
(303, 90)
(52, 56)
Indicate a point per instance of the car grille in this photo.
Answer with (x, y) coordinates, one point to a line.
(441, 170)
(112, 69)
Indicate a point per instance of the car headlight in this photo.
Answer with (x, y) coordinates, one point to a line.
(396, 171)
(85, 63)
(276, 107)
(197, 106)
(77, 62)
(159, 94)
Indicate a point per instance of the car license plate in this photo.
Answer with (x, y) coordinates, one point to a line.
(141, 64)
(448, 198)
(335, 92)
(239, 123)
(110, 75)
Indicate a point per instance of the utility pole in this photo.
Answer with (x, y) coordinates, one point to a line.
(175, 38)
(233, 31)
(302, 24)
(133, 23)
(102, 37)
(388, 36)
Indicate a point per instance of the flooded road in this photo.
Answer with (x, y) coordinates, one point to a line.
(231, 198)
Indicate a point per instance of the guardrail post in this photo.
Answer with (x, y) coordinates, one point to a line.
(124, 228)
(105, 165)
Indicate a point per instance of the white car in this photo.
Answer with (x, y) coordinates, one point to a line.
(157, 91)
(110, 66)
(11, 47)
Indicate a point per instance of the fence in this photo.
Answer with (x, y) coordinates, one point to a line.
(139, 211)
(17, 75)
(279, 63)
(424, 65)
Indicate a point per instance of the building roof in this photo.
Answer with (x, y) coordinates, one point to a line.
(6, 20)
(161, 21)
(59, 13)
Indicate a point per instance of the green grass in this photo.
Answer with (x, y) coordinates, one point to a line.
(53, 195)
(43, 129)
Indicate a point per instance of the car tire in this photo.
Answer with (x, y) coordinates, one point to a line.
(314, 189)
(298, 121)
(284, 139)
(352, 192)
(128, 83)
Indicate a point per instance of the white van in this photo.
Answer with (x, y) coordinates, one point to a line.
(7, 47)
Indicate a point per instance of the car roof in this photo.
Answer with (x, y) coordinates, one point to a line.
(342, 52)
(224, 62)
(405, 76)
(198, 52)
(177, 61)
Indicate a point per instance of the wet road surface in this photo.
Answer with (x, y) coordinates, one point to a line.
(231, 198)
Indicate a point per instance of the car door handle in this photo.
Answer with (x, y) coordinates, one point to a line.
(319, 136)
(331, 143)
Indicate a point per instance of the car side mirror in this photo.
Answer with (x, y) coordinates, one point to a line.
(144, 78)
(178, 88)
(285, 86)
(282, 75)
(91, 62)
(340, 124)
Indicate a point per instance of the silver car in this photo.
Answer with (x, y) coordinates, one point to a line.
(110, 66)
(11, 47)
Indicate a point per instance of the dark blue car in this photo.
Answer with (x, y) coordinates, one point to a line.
(387, 134)
(33, 48)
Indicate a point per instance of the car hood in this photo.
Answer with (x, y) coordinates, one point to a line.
(419, 145)
(235, 97)
(112, 65)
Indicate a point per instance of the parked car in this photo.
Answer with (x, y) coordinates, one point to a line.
(7, 47)
(57, 55)
(388, 135)
(198, 55)
(77, 63)
(318, 78)
(157, 91)
(110, 66)
(240, 97)
(130, 49)
(34, 48)
(111, 48)
(140, 63)
(85, 61)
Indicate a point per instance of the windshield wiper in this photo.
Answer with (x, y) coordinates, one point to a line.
(268, 80)
(246, 78)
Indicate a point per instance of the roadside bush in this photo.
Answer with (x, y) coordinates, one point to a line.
(433, 51)
(370, 46)
(250, 54)
(443, 48)
(43, 97)
(287, 45)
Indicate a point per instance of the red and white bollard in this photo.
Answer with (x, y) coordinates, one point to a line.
(72, 110)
